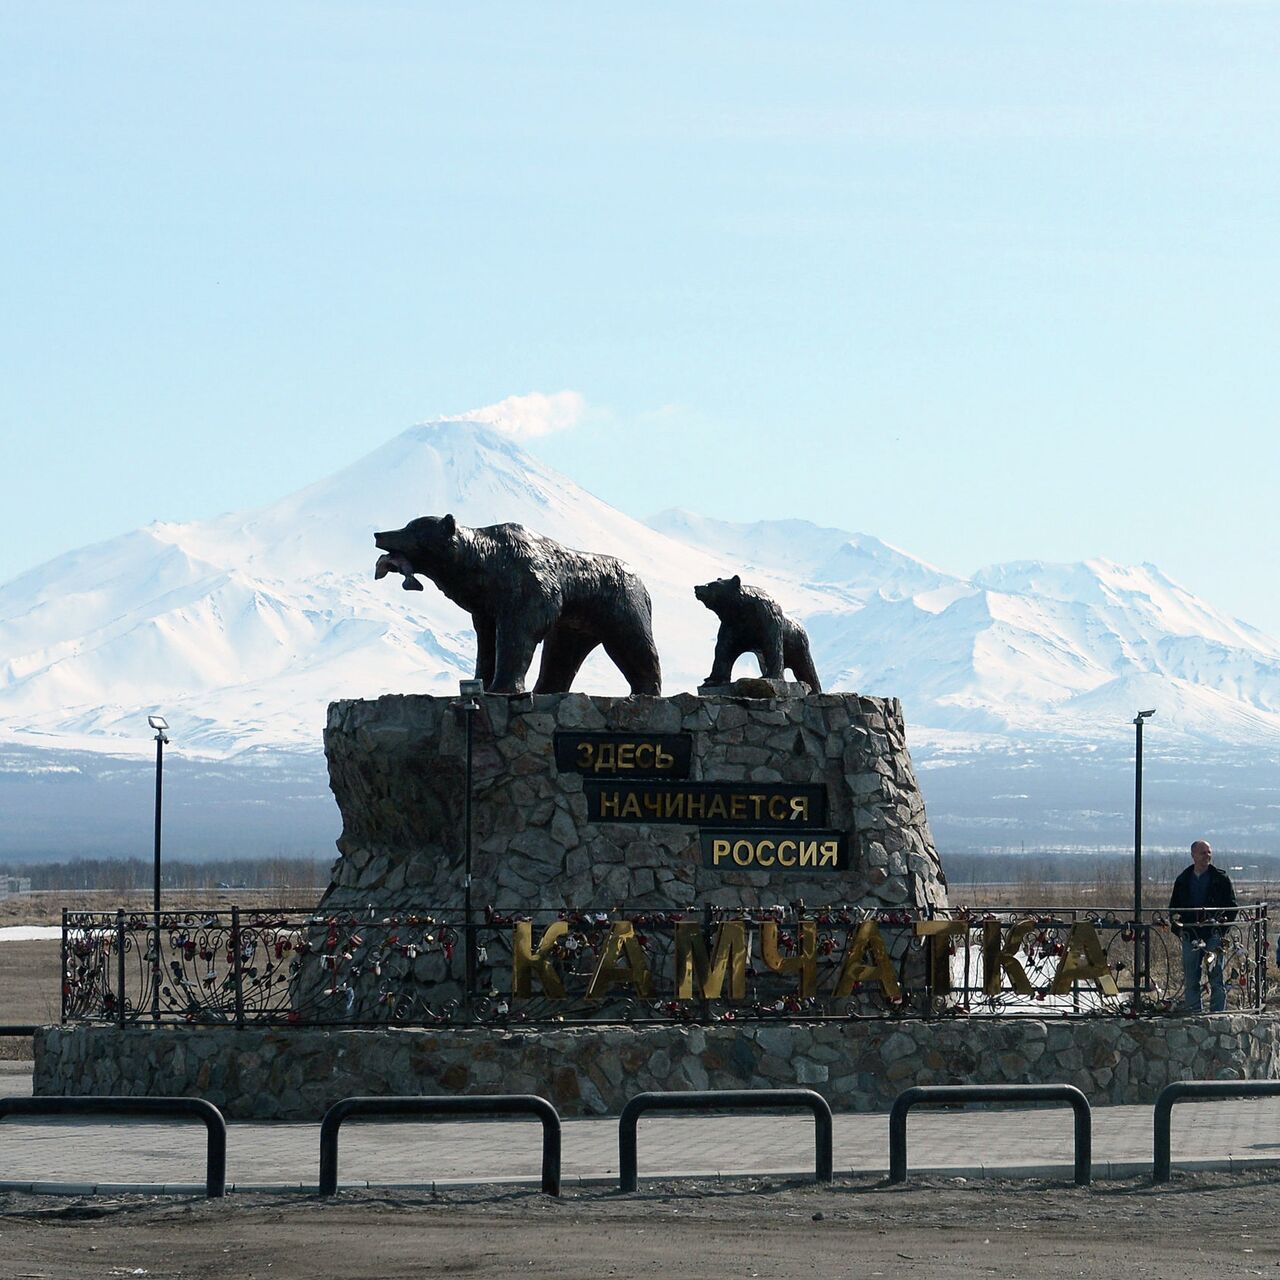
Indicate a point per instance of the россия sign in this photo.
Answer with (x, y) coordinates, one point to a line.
(761, 851)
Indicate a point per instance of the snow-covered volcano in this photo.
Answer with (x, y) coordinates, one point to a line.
(244, 627)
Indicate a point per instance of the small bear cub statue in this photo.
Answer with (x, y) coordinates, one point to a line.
(752, 622)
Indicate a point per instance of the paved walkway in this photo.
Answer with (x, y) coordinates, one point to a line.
(83, 1155)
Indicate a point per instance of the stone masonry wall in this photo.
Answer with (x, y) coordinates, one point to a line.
(296, 1074)
(397, 768)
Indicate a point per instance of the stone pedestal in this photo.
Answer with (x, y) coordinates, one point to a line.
(264, 1073)
(398, 766)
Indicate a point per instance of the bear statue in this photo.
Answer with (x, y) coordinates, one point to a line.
(752, 622)
(521, 589)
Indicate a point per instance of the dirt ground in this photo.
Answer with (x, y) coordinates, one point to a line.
(1198, 1226)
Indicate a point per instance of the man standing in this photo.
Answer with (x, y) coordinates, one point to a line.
(1202, 905)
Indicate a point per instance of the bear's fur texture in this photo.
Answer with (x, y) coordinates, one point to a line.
(522, 589)
(752, 622)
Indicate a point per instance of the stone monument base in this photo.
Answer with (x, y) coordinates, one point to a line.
(296, 1074)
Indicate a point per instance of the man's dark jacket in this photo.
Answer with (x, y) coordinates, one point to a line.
(1219, 903)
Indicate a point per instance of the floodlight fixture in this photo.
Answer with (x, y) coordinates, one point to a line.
(158, 722)
(1145, 715)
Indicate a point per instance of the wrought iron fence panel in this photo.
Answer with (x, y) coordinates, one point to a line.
(558, 965)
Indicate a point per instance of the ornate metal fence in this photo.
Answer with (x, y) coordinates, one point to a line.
(555, 965)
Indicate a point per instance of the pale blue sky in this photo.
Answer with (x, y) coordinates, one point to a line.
(990, 281)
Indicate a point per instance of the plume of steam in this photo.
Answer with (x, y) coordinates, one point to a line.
(529, 416)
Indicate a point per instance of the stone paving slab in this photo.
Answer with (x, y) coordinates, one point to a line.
(967, 1142)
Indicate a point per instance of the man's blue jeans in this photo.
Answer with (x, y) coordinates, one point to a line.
(1195, 952)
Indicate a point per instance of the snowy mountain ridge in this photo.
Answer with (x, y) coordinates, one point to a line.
(243, 628)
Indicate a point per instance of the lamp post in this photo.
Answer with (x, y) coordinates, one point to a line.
(161, 726)
(1139, 934)
(468, 706)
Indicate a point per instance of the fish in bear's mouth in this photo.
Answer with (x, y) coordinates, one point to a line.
(397, 562)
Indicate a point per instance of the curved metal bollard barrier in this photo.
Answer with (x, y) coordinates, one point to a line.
(1160, 1164)
(950, 1093)
(498, 1104)
(723, 1100)
(215, 1179)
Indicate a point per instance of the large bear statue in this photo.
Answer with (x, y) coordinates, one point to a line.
(752, 622)
(522, 589)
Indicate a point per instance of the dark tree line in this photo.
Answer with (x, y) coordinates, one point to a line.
(1105, 869)
(123, 874)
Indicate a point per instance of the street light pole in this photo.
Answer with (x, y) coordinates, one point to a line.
(1138, 931)
(160, 725)
(468, 706)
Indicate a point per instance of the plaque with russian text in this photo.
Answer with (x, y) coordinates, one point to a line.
(766, 850)
(766, 805)
(625, 755)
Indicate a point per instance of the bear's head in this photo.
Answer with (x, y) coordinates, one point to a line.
(424, 542)
(720, 594)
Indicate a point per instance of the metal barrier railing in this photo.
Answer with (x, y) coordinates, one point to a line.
(705, 1101)
(502, 1104)
(1163, 1118)
(949, 1094)
(215, 1180)
(724, 1100)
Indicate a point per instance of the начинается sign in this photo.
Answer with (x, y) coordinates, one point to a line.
(746, 805)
